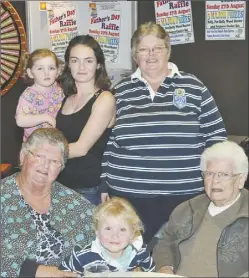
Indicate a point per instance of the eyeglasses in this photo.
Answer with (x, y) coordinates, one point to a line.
(143, 51)
(41, 159)
(221, 175)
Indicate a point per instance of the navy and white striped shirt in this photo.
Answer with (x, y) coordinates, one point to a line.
(155, 147)
(91, 254)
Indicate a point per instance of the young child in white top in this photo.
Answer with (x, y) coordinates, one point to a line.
(118, 243)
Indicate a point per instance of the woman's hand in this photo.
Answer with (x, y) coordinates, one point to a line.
(105, 197)
(53, 272)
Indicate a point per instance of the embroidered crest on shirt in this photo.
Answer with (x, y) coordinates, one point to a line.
(179, 98)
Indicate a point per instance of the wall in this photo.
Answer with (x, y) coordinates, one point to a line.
(221, 65)
(11, 135)
(39, 36)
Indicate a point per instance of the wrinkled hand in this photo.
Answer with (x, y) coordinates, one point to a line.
(53, 272)
(105, 197)
(166, 269)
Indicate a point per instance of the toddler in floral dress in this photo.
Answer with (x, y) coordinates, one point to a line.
(39, 103)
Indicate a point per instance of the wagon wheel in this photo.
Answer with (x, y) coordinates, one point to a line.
(13, 46)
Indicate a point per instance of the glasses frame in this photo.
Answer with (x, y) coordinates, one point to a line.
(220, 175)
(42, 158)
(159, 48)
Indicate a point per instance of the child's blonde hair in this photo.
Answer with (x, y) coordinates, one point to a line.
(29, 60)
(117, 207)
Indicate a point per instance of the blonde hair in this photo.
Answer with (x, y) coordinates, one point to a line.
(30, 58)
(47, 135)
(149, 28)
(119, 207)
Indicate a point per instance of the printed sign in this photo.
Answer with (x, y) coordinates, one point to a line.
(225, 20)
(176, 18)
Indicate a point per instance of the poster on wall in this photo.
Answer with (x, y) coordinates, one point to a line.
(176, 18)
(104, 26)
(62, 25)
(225, 20)
(117, 75)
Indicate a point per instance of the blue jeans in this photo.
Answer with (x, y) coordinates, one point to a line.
(91, 194)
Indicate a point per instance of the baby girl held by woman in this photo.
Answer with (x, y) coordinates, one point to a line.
(39, 104)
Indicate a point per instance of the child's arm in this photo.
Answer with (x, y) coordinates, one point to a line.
(26, 120)
(26, 115)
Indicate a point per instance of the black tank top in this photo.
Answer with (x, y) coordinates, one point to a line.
(84, 171)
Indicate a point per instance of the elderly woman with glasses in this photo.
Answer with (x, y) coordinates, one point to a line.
(207, 236)
(41, 220)
(165, 119)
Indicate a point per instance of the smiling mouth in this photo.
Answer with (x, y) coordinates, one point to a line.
(42, 173)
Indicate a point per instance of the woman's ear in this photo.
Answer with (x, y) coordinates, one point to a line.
(135, 59)
(21, 157)
(30, 75)
(242, 180)
(98, 66)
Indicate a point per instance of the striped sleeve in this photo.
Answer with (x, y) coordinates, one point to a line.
(211, 123)
(147, 264)
(75, 261)
(104, 164)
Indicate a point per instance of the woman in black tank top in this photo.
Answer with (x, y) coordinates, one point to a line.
(86, 116)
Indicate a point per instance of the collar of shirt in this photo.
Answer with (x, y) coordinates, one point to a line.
(214, 210)
(138, 75)
(98, 248)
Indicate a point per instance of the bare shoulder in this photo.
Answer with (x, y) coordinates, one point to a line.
(105, 98)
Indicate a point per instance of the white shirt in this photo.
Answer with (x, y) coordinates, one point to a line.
(137, 74)
(214, 210)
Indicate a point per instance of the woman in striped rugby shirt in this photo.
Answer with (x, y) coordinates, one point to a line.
(165, 119)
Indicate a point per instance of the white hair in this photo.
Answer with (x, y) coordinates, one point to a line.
(229, 151)
(51, 136)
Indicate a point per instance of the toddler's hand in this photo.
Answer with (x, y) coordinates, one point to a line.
(51, 120)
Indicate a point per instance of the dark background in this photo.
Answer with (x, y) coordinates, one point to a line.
(221, 65)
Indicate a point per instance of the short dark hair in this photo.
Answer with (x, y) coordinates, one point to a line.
(102, 80)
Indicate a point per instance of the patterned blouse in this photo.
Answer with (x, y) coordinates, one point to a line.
(50, 241)
(32, 102)
(68, 223)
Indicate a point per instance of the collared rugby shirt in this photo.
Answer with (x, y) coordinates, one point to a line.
(155, 146)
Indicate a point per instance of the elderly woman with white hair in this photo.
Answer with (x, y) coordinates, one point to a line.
(207, 236)
(41, 219)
